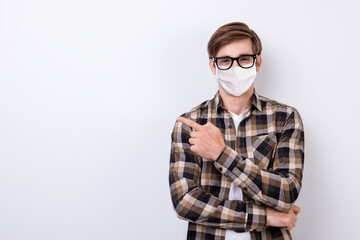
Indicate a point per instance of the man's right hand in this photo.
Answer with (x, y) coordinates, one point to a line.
(286, 220)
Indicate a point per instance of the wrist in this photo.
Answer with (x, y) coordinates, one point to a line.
(268, 217)
(219, 152)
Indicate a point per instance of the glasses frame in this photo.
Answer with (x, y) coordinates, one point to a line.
(237, 60)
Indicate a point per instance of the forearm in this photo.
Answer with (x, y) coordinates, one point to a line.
(193, 204)
(273, 189)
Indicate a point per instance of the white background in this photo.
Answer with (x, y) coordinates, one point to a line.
(90, 90)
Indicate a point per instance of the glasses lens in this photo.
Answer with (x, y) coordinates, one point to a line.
(224, 63)
(246, 61)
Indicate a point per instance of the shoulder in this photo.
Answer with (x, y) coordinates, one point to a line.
(198, 114)
(283, 112)
(276, 106)
(201, 112)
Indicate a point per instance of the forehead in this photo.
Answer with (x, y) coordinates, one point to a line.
(236, 48)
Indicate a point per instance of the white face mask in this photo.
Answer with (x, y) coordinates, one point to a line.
(236, 80)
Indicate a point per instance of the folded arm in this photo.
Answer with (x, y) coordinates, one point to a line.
(192, 203)
(280, 187)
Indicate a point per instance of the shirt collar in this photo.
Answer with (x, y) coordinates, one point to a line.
(255, 101)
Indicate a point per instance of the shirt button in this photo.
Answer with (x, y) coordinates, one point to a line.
(245, 188)
(220, 169)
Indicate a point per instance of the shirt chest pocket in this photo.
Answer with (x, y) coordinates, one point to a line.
(263, 149)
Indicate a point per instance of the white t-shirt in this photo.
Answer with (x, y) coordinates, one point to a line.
(235, 192)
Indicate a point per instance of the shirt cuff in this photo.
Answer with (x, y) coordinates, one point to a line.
(256, 217)
(227, 160)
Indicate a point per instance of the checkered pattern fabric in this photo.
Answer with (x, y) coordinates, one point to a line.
(266, 163)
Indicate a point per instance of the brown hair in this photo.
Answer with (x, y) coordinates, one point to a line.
(231, 32)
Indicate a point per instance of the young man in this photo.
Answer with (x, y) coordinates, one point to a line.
(237, 160)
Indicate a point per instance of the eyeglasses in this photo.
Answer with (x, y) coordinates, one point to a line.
(244, 61)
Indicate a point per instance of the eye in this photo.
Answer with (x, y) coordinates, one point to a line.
(224, 60)
(245, 59)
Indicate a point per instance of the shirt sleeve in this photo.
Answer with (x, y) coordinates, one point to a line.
(193, 204)
(280, 187)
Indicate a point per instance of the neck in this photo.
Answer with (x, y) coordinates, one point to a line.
(236, 104)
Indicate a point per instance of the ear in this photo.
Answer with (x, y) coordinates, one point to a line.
(258, 63)
(212, 66)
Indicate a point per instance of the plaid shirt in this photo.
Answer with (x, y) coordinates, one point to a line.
(266, 163)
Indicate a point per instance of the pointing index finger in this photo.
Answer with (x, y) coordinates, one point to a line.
(190, 123)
